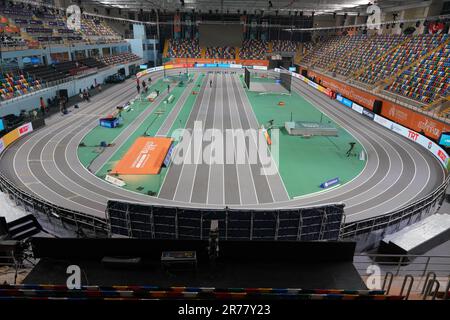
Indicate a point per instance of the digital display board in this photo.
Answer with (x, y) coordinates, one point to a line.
(445, 139)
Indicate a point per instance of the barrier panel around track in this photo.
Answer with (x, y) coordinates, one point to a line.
(145, 221)
(38, 206)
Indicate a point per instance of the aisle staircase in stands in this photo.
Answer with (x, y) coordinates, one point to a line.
(203, 53)
(166, 49)
(298, 55)
(270, 47)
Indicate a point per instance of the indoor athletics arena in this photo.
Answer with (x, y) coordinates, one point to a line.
(224, 150)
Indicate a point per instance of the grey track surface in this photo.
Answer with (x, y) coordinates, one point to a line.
(98, 162)
(45, 162)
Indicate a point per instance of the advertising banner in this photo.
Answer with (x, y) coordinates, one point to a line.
(401, 114)
(176, 23)
(368, 114)
(357, 108)
(260, 67)
(445, 139)
(330, 183)
(15, 134)
(115, 181)
(24, 129)
(407, 117)
(383, 121)
(347, 102)
(246, 62)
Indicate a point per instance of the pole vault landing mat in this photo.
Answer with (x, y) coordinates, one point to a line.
(145, 156)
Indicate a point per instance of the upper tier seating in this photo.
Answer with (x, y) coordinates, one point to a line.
(184, 48)
(409, 51)
(49, 25)
(221, 52)
(320, 50)
(13, 84)
(336, 49)
(283, 46)
(92, 63)
(368, 49)
(45, 73)
(253, 49)
(119, 58)
(426, 81)
(97, 28)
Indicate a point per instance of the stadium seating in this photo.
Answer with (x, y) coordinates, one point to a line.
(426, 81)
(284, 46)
(410, 50)
(220, 52)
(184, 48)
(49, 26)
(338, 49)
(118, 58)
(153, 292)
(94, 28)
(44, 73)
(13, 84)
(92, 63)
(320, 50)
(253, 49)
(367, 49)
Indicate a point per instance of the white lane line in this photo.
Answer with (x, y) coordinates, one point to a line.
(235, 110)
(200, 154)
(232, 122)
(47, 131)
(175, 149)
(218, 112)
(402, 146)
(251, 118)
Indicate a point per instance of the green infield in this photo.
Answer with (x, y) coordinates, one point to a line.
(147, 184)
(305, 163)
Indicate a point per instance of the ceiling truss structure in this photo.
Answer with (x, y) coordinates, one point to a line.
(275, 7)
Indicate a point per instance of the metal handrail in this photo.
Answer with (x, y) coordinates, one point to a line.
(389, 275)
(430, 286)
(431, 273)
(80, 219)
(352, 229)
(411, 282)
(447, 289)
